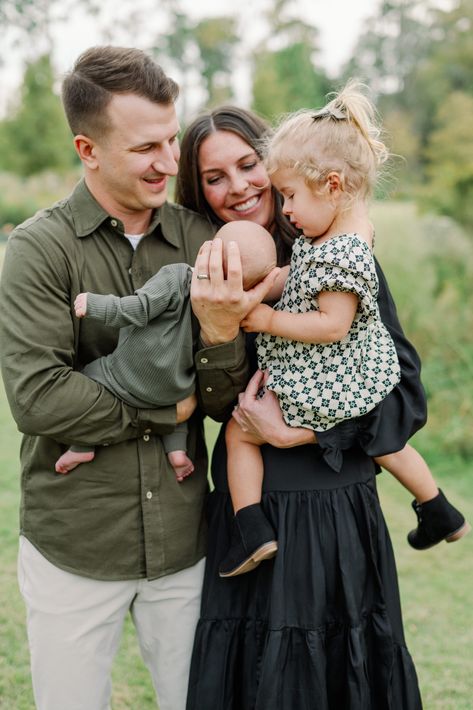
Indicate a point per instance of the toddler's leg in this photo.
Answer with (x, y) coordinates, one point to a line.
(72, 458)
(411, 471)
(253, 539)
(181, 464)
(437, 518)
(244, 466)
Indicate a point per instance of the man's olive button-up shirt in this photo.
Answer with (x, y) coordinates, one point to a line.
(123, 515)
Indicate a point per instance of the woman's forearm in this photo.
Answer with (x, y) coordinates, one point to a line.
(294, 436)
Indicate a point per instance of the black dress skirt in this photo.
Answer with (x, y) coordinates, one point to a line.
(319, 626)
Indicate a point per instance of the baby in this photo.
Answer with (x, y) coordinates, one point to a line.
(153, 363)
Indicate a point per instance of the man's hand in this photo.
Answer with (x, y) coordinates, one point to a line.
(80, 305)
(185, 408)
(220, 304)
(258, 320)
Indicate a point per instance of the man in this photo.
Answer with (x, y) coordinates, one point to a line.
(120, 533)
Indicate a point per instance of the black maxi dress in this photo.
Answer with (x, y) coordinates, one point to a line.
(319, 626)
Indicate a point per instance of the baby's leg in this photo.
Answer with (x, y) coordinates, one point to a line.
(244, 466)
(181, 464)
(72, 458)
(175, 446)
(412, 471)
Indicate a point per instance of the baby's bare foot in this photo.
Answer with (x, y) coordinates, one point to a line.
(181, 464)
(70, 459)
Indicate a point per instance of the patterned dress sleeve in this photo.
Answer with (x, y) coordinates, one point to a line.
(343, 264)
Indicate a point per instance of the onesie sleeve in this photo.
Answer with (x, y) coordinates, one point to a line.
(162, 291)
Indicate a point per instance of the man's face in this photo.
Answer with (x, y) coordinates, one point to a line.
(136, 155)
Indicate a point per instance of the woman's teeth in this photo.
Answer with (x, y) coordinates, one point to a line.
(246, 205)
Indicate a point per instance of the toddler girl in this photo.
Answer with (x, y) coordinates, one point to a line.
(328, 356)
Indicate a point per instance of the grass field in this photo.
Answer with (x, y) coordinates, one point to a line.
(435, 586)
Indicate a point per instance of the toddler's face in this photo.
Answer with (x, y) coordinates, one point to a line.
(307, 210)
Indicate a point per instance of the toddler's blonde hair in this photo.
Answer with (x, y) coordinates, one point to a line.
(342, 137)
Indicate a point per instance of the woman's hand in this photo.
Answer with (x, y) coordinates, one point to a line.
(221, 303)
(263, 418)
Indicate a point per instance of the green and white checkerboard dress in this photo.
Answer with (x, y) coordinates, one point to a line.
(319, 385)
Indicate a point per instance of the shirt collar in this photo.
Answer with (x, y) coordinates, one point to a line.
(88, 215)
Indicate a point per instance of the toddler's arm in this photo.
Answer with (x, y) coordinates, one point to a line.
(329, 324)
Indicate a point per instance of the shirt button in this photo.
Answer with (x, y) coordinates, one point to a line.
(149, 495)
(204, 360)
(114, 223)
(208, 389)
(147, 431)
(146, 437)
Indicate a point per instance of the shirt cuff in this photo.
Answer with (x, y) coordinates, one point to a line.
(221, 356)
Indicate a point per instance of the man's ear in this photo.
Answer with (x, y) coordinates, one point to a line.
(85, 148)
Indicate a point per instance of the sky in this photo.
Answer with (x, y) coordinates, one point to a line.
(336, 39)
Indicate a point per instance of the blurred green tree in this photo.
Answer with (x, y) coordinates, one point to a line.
(396, 40)
(449, 171)
(216, 39)
(286, 80)
(447, 67)
(179, 46)
(403, 171)
(34, 136)
(285, 77)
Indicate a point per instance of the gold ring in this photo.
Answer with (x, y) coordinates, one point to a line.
(203, 276)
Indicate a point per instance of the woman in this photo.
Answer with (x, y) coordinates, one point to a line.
(319, 626)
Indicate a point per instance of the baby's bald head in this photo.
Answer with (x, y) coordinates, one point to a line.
(257, 249)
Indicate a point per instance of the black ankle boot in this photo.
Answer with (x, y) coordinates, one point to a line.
(253, 540)
(437, 520)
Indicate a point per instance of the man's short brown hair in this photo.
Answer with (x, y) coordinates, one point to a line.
(101, 72)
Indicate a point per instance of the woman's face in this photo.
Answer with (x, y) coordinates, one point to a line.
(234, 180)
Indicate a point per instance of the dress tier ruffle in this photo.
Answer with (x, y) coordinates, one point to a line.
(318, 627)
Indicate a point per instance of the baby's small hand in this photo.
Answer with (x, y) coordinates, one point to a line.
(258, 320)
(80, 305)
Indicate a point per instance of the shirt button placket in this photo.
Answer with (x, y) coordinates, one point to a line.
(151, 503)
